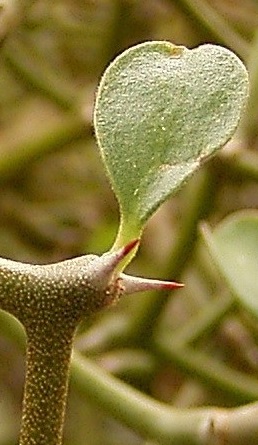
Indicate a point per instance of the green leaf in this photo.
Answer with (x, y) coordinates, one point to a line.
(160, 111)
(234, 248)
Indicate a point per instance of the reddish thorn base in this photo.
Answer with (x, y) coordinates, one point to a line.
(129, 247)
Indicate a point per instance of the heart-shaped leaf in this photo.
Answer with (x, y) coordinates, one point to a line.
(160, 110)
(234, 248)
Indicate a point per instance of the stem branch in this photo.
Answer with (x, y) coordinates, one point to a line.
(159, 422)
(238, 386)
(148, 417)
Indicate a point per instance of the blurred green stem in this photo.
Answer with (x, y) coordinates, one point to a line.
(249, 121)
(174, 349)
(32, 66)
(129, 363)
(160, 422)
(14, 158)
(110, 330)
(209, 18)
(238, 386)
(148, 417)
(204, 322)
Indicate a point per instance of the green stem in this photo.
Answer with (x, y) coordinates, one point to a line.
(34, 68)
(50, 301)
(111, 330)
(14, 158)
(249, 120)
(204, 322)
(148, 417)
(127, 232)
(208, 17)
(239, 387)
(129, 363)
(45, 394)
(159, 422)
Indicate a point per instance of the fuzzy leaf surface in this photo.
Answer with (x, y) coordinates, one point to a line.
(160, 111)
(234, 248)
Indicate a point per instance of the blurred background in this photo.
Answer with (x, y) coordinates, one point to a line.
(56, 202)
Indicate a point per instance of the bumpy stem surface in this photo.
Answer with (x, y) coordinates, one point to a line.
(44, 403)
(50, 301)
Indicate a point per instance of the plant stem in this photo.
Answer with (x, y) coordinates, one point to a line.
(159, 422)
(238, 386)
(34, 68)
(48, 360)
(16, 157)
(50, 301)
(249, 120)
(110, 330)
(204, 322)
(129, 363)
(148, 417)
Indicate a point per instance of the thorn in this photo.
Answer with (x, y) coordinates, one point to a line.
(137, 284)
